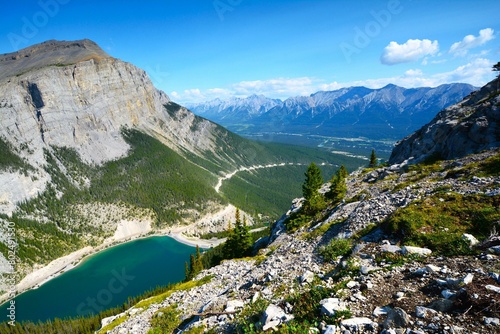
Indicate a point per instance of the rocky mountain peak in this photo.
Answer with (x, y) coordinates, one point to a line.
(49, 53)
(467, 127)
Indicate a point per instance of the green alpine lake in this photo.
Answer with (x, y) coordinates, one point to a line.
(105, 280)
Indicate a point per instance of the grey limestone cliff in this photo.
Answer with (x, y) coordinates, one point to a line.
(73, 94)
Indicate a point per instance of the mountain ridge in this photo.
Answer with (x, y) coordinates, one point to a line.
(390, 112)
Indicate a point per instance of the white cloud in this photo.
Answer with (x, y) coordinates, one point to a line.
(471, 41)
(282, 88)
(412, 73)
(477, 72)
(411, 51)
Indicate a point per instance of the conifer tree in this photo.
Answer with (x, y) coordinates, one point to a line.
(313, 199)
(237, 217)
(246, 241)
(195, 265)
(192, 262)
(198, 265)
(239, 241)
(373, 159)
(338, 187)
(496, 68)
(187, 271)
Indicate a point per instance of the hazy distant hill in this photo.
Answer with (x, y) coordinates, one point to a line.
(390, 112)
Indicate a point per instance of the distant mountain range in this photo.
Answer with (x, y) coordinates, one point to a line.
(391, 112)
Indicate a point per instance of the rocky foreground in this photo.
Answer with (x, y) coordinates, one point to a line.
(381, 286)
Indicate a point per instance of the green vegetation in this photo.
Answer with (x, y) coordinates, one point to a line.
(164, 292)
(396, 259)
(313, 209)
(320, 230)
(153, 176)
(483, 168)
(195, 265)
(246, 319)
(165, 320)
(296, 220)
(9, 160)
(338, 187)
(336, 248)
(490, 166)
(307, 308)
(239, 244)
(269, 191)
(438, 221)
(306, 304)
(314, 201)
(373, 159)
(40, 242)
(113, 324)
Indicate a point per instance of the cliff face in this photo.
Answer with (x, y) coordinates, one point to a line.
(72, 94)
(468, 127)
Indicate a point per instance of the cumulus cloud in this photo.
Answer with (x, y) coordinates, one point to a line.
(282, 88)
(411, 51)
(477, 72)
(279, 86)
(470, 41)
(413, 73)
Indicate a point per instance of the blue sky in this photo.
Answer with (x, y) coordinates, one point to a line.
(204, 49)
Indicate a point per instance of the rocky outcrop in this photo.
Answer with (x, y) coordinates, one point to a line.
(468, 127)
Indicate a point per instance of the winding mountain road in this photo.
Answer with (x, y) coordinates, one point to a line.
(243, 169)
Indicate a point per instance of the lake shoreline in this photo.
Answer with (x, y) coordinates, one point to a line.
(63, 264)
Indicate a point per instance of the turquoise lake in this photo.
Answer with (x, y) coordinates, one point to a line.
(105, 280)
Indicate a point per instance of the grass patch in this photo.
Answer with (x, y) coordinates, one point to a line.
(112, 324)
(490, 166)
(166, 320)
(439, 221)
(296, 220)
(249, 316)
(176, 287)
(395, 259)
(365, 231)
(336, 248)
(307, 311)
(321, 230)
